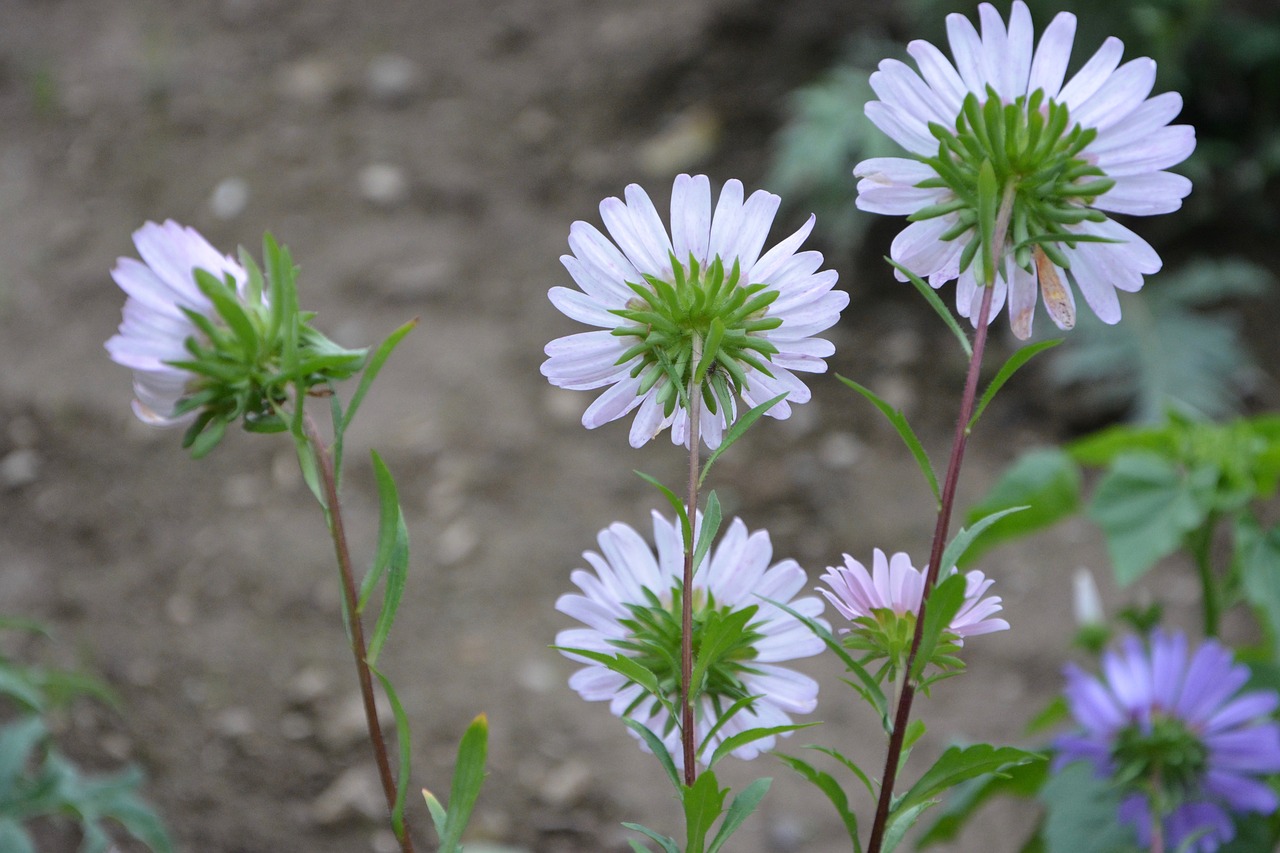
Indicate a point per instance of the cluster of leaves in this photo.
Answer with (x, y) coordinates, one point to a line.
(38, 781)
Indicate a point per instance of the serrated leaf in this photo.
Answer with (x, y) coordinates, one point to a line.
(959, 546)
(711, 518)
(908, 435)
(1046, 482)
(1257, 564)
(1081, 813)
(849, 765)
(667, 844)
(17, 740)
(1144, 506)
(686, 529)
(941, 606)
(957, 765)
(374, 366)
(658, 748)
(741, 739)
(965, 799)
(703, 804)
(935, 302)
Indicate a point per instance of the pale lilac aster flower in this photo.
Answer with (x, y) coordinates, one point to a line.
(154, 329)
(1160, 711)
(654, 292)
(630, 581)
(1108, 155)
(894, 585)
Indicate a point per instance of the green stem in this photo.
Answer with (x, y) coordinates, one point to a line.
(333, 513)
(1200, 543)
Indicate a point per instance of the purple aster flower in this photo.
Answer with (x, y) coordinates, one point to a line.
(631, 604)
(701, 303)
(154, 329)
(1074, 152)
(1168, 723)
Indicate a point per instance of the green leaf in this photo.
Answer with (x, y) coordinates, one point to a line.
(668, 845)
(720, 633)
(956, 765)
(1257, 564)
(941, 606)
(707, 533)
(686, 529)
(16, 682)
(1081, 813)
(402, 741)
(827, 784)
(629, 669)
(373, 367)
(468, 778)
(897, 828)
(867, 686)
(13, 838)
(227, 304)
(658, 748)
(964, 801)
(1145, 506)
(739, 810)
(17, 740)
(935, 302)
(959, 546)
(908, 435)
(703, 804)
(390, 518)
(736, 431)
(743, 738)
(988, 202)
(850, 765)
(1019, 358)
(439, 816)
(1045, 482)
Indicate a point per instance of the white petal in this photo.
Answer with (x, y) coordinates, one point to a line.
(638, 231)
(745, 242)
(1052, 54)
(604, 269)
(1152, 115)
(902, 130)
(1094, 73)
(1166, 147)
(583, 308)
(727, 219)
(966, 47)
(1146, 194)
(941, 76)
(919, 246)
(1023, 296)
(612, 404)
(995, 51)
(649, 421)
(691, 217)
(777, 257)
(1020, 41)
(898, 85)
(1096, 288)
(1119, 96)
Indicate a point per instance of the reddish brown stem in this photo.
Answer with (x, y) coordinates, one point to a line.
(688, 734)
(324, 461)
(903, 714)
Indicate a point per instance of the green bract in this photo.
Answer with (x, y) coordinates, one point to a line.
(1031, 146)
(700, 329)
(251, 350)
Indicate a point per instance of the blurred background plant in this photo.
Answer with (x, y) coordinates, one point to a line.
(1181, 345)
(41, 788)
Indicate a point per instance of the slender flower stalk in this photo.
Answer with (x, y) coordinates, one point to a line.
(333, 511)
(902, 715)
(688, 733)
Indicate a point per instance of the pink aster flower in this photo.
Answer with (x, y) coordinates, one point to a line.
(631, 604)
(154, 329)
(699, 303)
(1094, 145)
(894, 585)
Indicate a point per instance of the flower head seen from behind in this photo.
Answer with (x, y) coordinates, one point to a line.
(1068, 154)
(883, 604)
(1171, 728)
(631, 604)
(699, 304)
(211, 341)
(155, 328)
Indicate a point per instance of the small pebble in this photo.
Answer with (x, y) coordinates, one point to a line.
(356, 793)
(19, 468)
(229, 198)
(383, 185)
(392, 79)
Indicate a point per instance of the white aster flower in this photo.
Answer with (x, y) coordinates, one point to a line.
(154, 329)
(660, 299)
(631, 604)
(1075, 152)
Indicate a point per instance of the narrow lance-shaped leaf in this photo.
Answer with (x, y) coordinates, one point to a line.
(936, 303)
(658, 748)
(899, 422)
(736, 431)
(956, 549)
(468, 778)
(388, 515)
(677, 504)
(668, 845)
(739, 810)
(1010, 367)
(1046, 481)
(943, 602)
(827, 784)
(707, 533)
(741, 739)
(374, 366)
(703, 804)
(402, 741)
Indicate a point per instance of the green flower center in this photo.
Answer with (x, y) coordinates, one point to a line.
(1033, 147)
(723, 645)
(1165, 757)
(701, 330)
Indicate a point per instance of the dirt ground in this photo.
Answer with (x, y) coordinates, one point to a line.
(427, 158)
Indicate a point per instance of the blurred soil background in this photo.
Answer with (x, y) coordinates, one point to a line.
(426, 159)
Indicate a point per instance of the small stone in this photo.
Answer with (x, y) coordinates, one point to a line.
(534, 126)
(688, 140)
(392, 79)
(116, 745)
(229, 198)
(308, 685)
(311, 82)
(456, 542)
(565, 785)
(419, 280)
(234, 723)
(564, 406)
(180, 609)
(786, 834)
(383, 185)
(142, 672)
(343, 724)
(242, 491)
(23, 431)
(840, 450)
(384, 841)
(19, 468)
(356, 793)
(538, 676)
